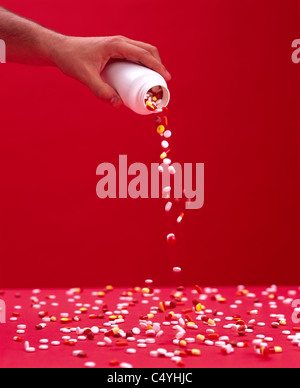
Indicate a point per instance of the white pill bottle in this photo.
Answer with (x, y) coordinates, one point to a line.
(132, 82)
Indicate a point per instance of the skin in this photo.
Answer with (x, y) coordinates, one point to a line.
(80, 58)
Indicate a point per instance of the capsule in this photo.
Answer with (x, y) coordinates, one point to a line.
(201, 337)
(275, 349)
(179, 219)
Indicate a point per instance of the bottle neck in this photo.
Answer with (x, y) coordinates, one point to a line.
(146, 87)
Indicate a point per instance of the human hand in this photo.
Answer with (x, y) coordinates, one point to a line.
(85, 58)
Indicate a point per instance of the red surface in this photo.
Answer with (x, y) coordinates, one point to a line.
(12, 354)
(234, 106)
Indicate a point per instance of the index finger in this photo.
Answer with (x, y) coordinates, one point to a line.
(125, 50)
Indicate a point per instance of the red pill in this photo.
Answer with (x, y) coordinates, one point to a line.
(171, 239)
(198, 289)
(121, 342)
(114, 362)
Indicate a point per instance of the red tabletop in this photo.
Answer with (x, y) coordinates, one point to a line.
(224, 306)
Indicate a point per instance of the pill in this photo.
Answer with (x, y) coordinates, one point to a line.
(179, 219)
(167, 161)
(176, 269)
(18, 339)
(164, 144)
(167, 134)
(136, 331)
(43, 347)
(125, 365)
(131, 351)
(30, 350)
(171, 169)
(90, 364)
(171, 239)
(168, 206)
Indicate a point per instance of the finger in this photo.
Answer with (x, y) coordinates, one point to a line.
(102, 90)
(152, 49)
(125, 50)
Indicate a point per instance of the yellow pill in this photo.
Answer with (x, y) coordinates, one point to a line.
(160, 129)
(196, 352)
(201, 337)
(163, 155)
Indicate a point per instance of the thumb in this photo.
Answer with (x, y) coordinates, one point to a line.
(103, 91)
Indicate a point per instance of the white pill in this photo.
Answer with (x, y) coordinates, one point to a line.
(164, 144)
(141, 345)
(55, 343)
(131, 351)
(43, 347)
(171, 170)
(95, 329)
(21, 327)
(44, 341)
(30, 350)
(167, 161)
(90, 364)
(125, 365)
(107, 340)
(167, 134)
(168, 206)
(81, 337)
(167, 189)
(176, 269)
(136, 331)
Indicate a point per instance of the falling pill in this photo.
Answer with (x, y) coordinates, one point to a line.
(176, 269)
(171, 238)
(168, 206)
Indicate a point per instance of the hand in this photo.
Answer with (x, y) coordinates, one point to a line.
(85, 58)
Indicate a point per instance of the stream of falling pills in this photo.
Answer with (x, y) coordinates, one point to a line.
(152, 100)
(109, 327)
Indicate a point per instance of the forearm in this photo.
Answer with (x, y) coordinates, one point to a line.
(27, 42)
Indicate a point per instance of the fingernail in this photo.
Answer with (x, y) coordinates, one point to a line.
(168, 74)
(115, 101)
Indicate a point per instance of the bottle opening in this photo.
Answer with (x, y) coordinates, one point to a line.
(157, 96)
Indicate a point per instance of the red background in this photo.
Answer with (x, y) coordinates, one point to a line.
(235, 101)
